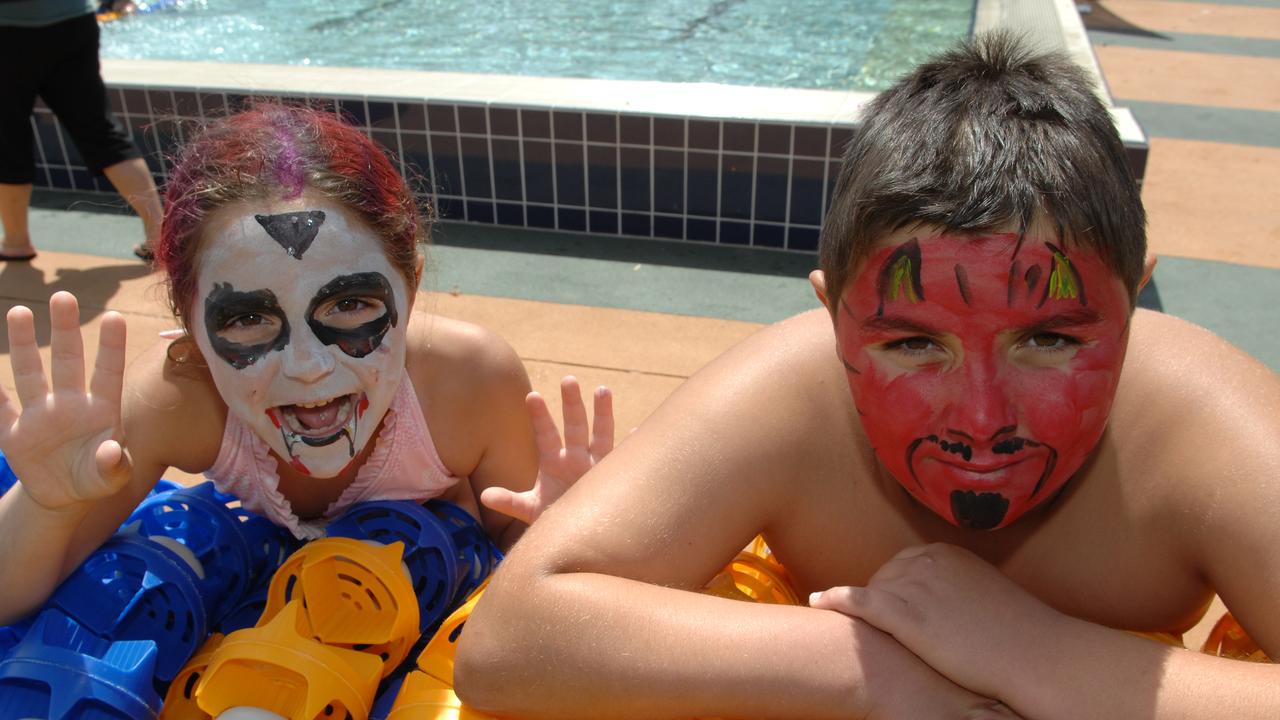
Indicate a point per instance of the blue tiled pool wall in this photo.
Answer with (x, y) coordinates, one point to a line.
(731, 182)
(763, 184)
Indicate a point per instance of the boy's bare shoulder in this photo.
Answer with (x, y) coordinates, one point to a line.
(1172, 362)
(1201, 416)
(801, 342)
(172, 411)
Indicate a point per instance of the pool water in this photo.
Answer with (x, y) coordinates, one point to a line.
(831, 44)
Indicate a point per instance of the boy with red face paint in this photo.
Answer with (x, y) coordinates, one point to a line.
(981, 460)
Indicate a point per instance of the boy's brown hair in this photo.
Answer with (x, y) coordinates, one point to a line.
(985, 137)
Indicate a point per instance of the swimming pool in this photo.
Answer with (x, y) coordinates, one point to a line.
(507, 142)
(848, 45)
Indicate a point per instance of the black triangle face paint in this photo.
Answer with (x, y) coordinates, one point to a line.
(294, 231)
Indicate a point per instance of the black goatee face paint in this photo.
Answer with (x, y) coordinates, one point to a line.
(978, 510)
(363, 339)
(225, 305)
(293, 231)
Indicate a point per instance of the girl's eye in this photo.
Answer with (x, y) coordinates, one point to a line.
(349, 305)
(249, 329)
(248, 320)
(349, 312)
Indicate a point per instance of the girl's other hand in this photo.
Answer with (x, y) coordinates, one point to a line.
(559, 464)
(64, 442)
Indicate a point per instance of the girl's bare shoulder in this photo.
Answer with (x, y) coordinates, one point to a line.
(470, 384)
(455, 358)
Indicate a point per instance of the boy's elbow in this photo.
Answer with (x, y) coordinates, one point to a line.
(470, 668)
(482, 675)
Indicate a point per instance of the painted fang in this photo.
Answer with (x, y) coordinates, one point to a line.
(320, 424)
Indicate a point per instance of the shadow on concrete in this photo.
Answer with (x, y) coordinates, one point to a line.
(25, 284)
(1098, 17)
(627, 249)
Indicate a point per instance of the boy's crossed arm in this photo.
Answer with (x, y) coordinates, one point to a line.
(966, 619)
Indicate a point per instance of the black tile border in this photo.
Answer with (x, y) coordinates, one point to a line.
(727, 181)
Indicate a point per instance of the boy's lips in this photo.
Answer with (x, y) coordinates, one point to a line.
(980, 474)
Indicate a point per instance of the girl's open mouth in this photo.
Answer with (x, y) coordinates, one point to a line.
(319, 423)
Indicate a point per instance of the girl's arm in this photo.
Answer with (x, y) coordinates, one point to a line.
(85, 453)
(484, 421)
(64, 440)
(560, 463)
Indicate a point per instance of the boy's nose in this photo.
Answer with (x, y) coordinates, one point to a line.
(981, 412)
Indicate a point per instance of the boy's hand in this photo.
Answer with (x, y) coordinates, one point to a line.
(64, 443)
(559, 465)
(957, 612)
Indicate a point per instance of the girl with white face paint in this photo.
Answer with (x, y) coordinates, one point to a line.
(304, 381)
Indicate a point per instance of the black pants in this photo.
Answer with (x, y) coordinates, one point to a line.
(59, 63)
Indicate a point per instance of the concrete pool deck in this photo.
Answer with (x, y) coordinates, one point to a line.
(641, 316)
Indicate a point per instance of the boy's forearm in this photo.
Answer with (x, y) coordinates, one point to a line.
(593, 646)
(1094, 671)
(35, 542)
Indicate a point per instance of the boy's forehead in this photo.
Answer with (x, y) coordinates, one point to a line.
(1002, 272)
(997, 251)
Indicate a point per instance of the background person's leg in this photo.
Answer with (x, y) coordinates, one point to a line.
(13, 212)
(17, 155)
(132, 179)
(76, 94)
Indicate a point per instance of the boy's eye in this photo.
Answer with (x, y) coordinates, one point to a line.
(913, 345)
(1051, 341)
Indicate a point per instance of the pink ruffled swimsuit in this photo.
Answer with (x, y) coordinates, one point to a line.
(404, 465)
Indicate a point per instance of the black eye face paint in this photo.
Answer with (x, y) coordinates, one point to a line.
(362, 339)
(225, 305)
(293, 231)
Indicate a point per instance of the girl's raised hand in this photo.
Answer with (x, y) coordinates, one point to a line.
(64, 442)
(559, 464)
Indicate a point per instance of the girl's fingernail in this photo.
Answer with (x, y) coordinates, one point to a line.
(814, 597)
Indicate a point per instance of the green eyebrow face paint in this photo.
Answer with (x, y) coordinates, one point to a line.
(899, 277)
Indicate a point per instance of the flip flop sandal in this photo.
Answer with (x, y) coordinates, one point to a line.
(25, 257)
(144, 253)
